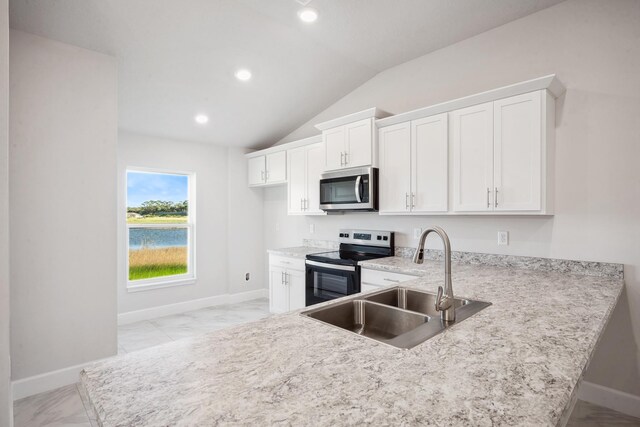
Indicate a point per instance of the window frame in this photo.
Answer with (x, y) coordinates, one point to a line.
(188, 278)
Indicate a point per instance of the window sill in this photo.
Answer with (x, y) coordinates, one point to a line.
(148, 286)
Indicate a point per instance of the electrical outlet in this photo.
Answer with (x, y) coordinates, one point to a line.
(247, 277)
(503, 238)
(312, 228)
(417, 232)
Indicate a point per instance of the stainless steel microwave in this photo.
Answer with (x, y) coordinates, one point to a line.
(349, 190)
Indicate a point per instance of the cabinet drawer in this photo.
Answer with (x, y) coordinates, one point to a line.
(286, 262)
(383, 278)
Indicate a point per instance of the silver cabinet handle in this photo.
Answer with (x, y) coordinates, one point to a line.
(346, 157)
(266, 175)
(282, 277)
(306, 204)
(496, 198)
(262, 176)
(391, 280)
(413, 200)
(300, 204)
(406, 201)
(286, 278)
(342, 158)
(488, 191)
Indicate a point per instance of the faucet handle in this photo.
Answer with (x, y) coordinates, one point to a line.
(442, 302)
(439, 298)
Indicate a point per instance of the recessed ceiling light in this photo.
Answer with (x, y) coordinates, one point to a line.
(201, 119)
(243, 74)
(308, 15)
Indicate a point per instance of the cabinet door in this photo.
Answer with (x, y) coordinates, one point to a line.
(314, 170)
(359, 143)
(473, 158)
(517, 153)
(278, 290)
(296, 284)
(334, 148)
(277, 167)
(429, 169)
(256, 170)
(297, 180)
(395, 168)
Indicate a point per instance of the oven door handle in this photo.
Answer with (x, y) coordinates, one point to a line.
(358, 197)
(331, 266)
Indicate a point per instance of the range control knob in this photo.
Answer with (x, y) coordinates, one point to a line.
(385, 238)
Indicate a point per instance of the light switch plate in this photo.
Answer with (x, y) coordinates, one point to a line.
(503, 238)
(312, 228)
(417, 232)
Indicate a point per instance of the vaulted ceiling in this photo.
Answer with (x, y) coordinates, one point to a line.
(177, 58)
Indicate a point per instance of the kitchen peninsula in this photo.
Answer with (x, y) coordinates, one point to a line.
(518, 362)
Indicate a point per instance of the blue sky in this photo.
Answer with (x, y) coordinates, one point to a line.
(143, 186)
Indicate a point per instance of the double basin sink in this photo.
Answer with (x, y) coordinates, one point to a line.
(399, 316)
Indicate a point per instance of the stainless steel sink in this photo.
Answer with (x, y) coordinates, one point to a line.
(399, 316)
(411, 299)
(377, 321)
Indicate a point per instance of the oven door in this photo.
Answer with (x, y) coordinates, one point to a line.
(325, 282)
(349, 190)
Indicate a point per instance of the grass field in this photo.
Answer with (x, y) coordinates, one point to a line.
(158, 220)
(147, 263)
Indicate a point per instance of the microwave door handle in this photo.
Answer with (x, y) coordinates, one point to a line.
(357, 188)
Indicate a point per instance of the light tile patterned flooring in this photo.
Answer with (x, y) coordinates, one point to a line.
(66, 407)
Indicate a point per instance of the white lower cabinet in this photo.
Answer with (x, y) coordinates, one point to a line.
(375, 279)
(286, 284)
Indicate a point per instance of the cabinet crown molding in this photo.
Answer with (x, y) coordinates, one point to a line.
(374, 112)
(550, 82)
(284, 147)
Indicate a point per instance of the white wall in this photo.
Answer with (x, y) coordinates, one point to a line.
(209, 163)
(6, 401)
(594, 47)
(245, 248)
(63, 132)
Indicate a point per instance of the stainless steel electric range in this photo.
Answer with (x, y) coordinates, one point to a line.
(331, 275)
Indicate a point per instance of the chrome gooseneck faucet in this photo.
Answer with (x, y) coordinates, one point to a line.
(444, 303)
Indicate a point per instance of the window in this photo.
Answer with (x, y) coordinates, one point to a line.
(160, 229)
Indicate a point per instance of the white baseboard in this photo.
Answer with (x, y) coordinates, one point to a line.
(196, 304)
(55, 379)
(48, 381)
(620, 401)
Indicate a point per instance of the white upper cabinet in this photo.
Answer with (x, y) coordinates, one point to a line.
(500, 155)
(429, 164)
(359, 141)
(472, 138)
(305, 165)
(256, 168)
(334, 142)
(413, 166)
(351, 141)
(350, 145)
(517, 153)
(269, 169)
(394, 178)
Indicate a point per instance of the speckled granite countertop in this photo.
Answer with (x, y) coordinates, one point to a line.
(518, 362)
(297, 251)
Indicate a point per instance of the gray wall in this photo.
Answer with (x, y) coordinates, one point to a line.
(594, 48)
(62, 205)
(6, 403)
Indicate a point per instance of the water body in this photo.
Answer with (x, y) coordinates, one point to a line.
(157, 237)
